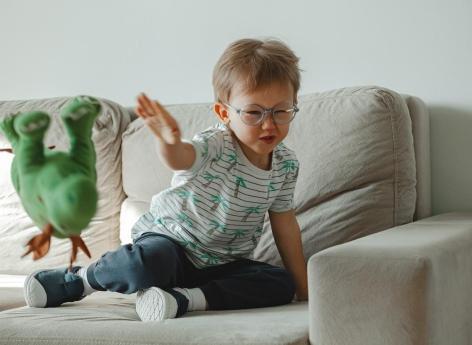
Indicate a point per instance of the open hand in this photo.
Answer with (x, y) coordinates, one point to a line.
(161, 123)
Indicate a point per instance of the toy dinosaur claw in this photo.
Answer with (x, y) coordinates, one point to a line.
(77, 243)
(39, 245)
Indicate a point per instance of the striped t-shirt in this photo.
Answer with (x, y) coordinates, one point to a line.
(216, 209)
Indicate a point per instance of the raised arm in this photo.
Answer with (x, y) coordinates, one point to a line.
(175, 153)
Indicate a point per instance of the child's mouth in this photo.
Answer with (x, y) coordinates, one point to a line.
(268, 139)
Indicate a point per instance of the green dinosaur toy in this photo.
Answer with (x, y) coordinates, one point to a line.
(57, 189)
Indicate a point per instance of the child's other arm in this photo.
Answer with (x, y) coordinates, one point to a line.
(175, 153)
(287, 237)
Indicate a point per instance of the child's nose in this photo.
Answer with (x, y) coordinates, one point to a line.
(268, 122)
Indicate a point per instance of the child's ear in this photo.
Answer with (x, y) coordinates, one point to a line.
(221, 112)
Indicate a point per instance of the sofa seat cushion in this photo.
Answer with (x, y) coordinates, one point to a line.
(110, 318)
(11, 291)
(16, 228)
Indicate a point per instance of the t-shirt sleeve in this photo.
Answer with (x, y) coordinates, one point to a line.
(208, 145)
(284, 200)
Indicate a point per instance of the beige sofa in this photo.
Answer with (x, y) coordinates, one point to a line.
(381, 270)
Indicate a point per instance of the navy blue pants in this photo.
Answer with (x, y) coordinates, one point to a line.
(156, 260)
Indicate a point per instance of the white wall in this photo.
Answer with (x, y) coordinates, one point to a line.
(115, 49)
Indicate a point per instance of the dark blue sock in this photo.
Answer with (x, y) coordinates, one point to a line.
(182, 301)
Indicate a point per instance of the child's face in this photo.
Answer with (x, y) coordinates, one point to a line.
(257, 141)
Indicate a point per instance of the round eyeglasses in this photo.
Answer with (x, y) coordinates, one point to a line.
(254, 114)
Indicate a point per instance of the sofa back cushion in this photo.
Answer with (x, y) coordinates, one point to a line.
(16, 228)
(357, 165)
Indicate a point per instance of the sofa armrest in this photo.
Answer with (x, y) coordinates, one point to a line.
(410, 284)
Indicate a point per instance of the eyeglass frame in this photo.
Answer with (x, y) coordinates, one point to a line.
(294, 109)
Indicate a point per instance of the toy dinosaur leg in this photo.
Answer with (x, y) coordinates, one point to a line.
(31, 128)
(77, 243)
(8, 128)
(79, 116)
(39, 245)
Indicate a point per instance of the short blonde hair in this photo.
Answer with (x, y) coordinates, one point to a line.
(256, 63)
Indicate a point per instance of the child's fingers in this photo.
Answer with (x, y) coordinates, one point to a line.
(140, 112)
(145, 104)
(158, 109)
(153, 109)
(157, 106)
(140, 109)
(166, 118)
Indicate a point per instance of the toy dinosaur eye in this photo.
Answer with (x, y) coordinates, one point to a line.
(40, 199)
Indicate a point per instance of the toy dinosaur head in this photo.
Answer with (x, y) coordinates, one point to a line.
(71, 205)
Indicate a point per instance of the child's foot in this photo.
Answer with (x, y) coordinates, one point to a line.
(155, 304)
(51, 288)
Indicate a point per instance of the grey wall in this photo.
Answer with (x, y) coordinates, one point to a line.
(115, 49)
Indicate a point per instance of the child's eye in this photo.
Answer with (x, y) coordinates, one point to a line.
(281, 112)
(253, 112)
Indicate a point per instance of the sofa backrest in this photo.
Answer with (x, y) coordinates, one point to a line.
(358, 172)
(362, 151)
(421, 138)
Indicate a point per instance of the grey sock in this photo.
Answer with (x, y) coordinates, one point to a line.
(196, 298)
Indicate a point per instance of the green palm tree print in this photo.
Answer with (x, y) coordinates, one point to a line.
(205, 148)
(160, 221)
(249, 211)
(271, 187)
(185, 195)
(209, 258)
(215, 225)
(232, 161)
(219, 200)
(210, 178)
(188, 243)
(238, 234)
(185, 219)
(240, 182)
(229, 250)
(289, 165)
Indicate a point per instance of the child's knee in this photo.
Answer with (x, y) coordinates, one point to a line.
(149, 262)
(285, 283)
(145, 265)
